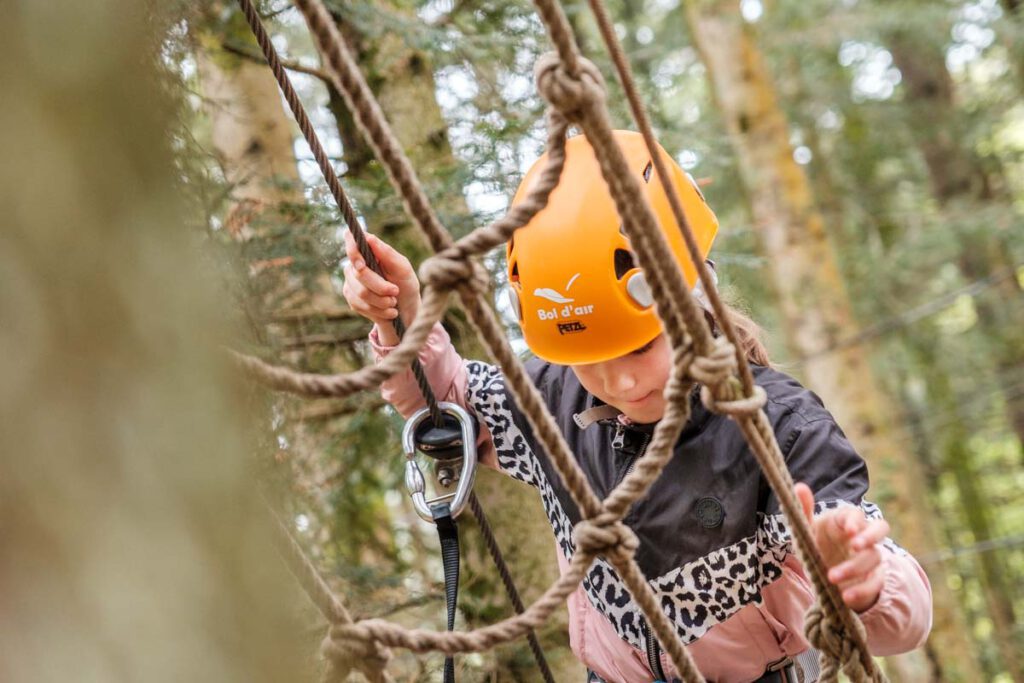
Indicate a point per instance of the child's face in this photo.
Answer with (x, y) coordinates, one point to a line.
(632, 383)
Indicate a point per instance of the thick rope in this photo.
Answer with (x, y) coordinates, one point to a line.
(347, 80)
(342, 653)
(575, 90)
(345, 384)
(837, 616)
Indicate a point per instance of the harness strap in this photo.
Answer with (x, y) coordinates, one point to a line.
(448, 535)
(595, 414)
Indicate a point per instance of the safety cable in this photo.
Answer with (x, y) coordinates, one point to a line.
(322, 160)
(988, 545)
(910, 316)
(334, 184)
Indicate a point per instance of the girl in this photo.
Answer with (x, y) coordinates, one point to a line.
(713, 543)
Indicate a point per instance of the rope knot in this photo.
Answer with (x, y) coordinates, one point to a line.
(453, 268)
(346, 650)
(570, 95)
(744, 405)
(717, 366)
(826, 634)
(604, 534)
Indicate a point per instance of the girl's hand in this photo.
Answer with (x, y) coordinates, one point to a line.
(375, 297)
(849, 544)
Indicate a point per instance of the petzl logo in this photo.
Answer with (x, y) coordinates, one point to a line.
(571, 327)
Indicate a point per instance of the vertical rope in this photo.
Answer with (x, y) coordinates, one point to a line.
(836, 610)
(643, 122)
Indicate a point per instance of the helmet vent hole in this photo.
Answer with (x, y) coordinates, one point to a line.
(624, 262)
(647, 171)
(514, 275)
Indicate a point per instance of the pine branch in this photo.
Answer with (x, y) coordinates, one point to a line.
(289, 64)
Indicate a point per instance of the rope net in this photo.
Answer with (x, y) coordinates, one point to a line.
(575, 92)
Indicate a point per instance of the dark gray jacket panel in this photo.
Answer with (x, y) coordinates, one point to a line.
(712, 492)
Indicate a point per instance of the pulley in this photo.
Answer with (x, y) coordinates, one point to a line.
(453, 447)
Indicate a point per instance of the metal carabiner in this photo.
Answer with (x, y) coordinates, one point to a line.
(414, 480)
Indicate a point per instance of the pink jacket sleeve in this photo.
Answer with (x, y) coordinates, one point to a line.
(902, 617)
(446, 374)
(898, 622)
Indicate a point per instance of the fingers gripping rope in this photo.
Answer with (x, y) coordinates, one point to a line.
(606, 535)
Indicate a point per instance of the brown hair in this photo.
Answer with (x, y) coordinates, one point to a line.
(748, 334)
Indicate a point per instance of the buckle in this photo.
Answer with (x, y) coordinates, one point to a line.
(461, 468)
(786, 669)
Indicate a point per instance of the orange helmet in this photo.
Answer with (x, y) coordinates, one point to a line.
(573, 281)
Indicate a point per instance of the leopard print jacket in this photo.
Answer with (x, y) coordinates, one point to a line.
(711, 533)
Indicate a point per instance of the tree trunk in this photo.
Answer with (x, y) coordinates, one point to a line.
(816, 310)
(135, 544)
(402, 79)
(963, 189)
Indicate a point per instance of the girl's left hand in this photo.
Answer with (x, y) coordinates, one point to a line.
(849, 544)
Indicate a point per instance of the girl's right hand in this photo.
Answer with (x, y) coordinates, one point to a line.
(376, 298)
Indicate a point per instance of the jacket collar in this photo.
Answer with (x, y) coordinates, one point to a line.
(610, 415)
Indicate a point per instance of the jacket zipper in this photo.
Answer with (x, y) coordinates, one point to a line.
(653, 651)
(619, 441)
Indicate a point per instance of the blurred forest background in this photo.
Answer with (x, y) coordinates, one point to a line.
(864, 158)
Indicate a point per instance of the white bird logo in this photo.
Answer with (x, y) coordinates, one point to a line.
(555, 295)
